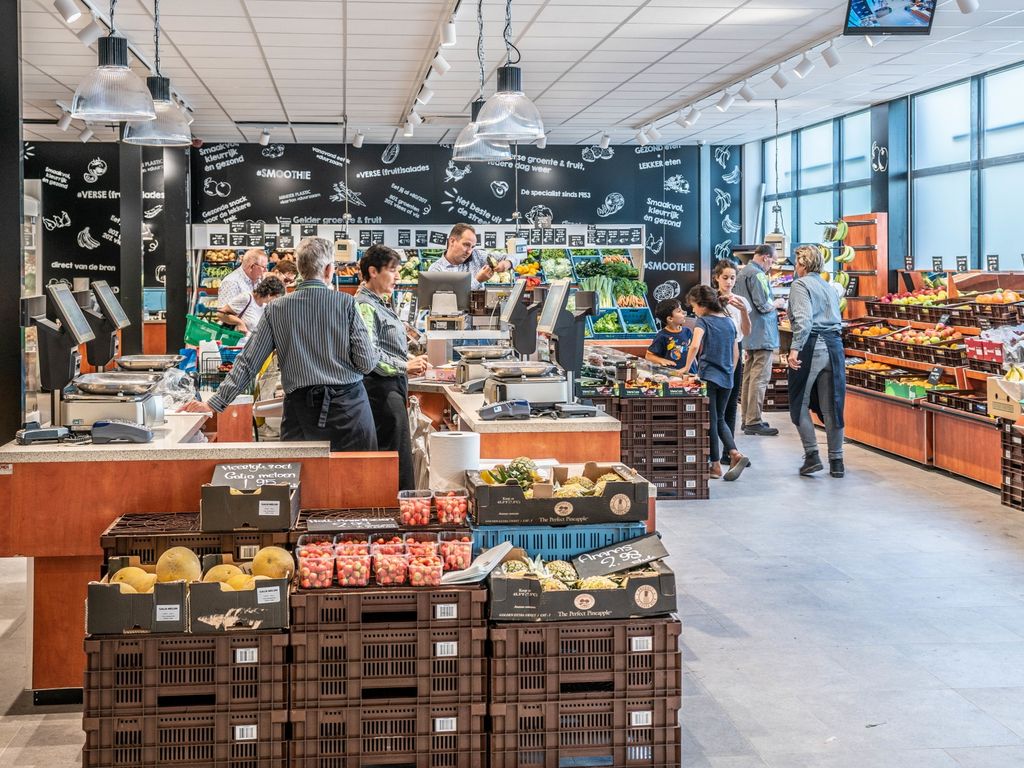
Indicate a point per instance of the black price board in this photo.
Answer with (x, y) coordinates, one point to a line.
(422, 238)
(908, 262)
(237, 228)
(377, 236)
(438, 238)
(547, 236)
(339, 234)
(984, 323)
(853, 286)
(944, 319)
(621, 556)
(254, 228)
(935, 375)
(309, 230)
(364, 238)
(635, 236)
(490, 240)
(599, 236)
(961, 263)
(285, 241)
(558, 236)
(937, 264)
(239, 240)
(536, 237)
(255, 241)
(284, 223)
(577, 241)
(404, 238)
(269, 241)
(992, 262)
(248, 477)
(218, 239)
(510, 235)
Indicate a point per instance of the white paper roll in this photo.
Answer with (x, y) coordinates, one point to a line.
(451, 455)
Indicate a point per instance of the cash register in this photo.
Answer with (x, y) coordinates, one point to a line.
(105, 316)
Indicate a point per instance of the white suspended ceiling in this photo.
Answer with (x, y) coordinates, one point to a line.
(590, 65)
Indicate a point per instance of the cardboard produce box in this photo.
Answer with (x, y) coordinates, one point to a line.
(522, 599)
(1004, 398)
(257, 496)
(213, 611)
(108, 611)
(623, 500)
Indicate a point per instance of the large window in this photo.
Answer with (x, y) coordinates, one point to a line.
(824, 172)
(967, 170)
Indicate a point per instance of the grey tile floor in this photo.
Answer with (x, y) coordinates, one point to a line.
(871, 622)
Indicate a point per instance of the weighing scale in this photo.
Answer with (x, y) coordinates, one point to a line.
(472, 359)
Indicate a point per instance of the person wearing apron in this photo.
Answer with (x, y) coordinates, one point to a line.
(387, 386)
(817, 365)
(323, 350)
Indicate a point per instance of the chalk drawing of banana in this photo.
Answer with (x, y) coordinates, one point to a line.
(733, 177)
(87, 241)
(723, 200)
(730, 226)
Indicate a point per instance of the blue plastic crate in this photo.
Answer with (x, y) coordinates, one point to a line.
(635, 315)
(601, 313)
(555, 542)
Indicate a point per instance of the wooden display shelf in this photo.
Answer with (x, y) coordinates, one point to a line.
(869, 237)
(898, 362)
(889, 424)
(966, 445)
(967, 330)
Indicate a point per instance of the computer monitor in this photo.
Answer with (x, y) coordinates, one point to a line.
(109, 305)
(71, 317)
(154, 300)
(513, 300)
(554, 303)
(430, 283)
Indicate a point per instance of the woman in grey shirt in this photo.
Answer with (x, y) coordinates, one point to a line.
(387, 386)
(817, 365)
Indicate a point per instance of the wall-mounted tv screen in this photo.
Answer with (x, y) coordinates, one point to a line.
(890, 17)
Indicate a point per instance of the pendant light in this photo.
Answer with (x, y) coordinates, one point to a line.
(112, 92)
(509, 115)
(469, 147)
(780, 225)
(170, 129)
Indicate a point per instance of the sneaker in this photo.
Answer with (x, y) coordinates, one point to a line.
(760, 429)
(737, 467)
(836, 468)
(812, 464)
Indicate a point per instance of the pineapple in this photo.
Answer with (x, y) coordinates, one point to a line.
(610, 477)
(515, 568)
(570, 491)
(580, 480)
(599, 488)
(562, 571)
(551, 584)
(523, 471)
(596, 582)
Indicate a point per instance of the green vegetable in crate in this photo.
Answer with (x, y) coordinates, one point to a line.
(608, 323)
(639, 328)
(585, 252)
(409, 270)
(562, 571)
(603, 286)
(590, 268)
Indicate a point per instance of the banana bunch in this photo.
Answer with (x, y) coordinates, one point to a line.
(826, 253)
(837, 232)
(843, 279)
(1016, 373)
(846, 255)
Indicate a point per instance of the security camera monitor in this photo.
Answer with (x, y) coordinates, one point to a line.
(554, 303)
(109, 305)
(72, 319)
(513, 300)
(889, 17)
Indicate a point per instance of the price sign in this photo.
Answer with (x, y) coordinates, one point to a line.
(237, 228)
(935, 375)
(421, 238)
(269, 241)
(255, 228)
(635, 236)
(218, 239)
(404, 238)
(621, 556)
(285, 241)
(984, 323)
(536, 236)
(944, 319)
(559, 236)
(377, 236)
(284, 223)
(853, 286)
(992, 262)
(937, 264)
(961, 263)
(309, 230)
(239, 240)
(364, 238)
(490, 240)
(908, 262)
(579, 241)
(548, 236)
(255, 241)
(438, 238)
(339, 234)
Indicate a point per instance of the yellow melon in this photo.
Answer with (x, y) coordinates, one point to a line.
(241, 582)
(222, 572)
(140, 580)
(225, 587)
(177, 564)
(274, 562)
(126, 588)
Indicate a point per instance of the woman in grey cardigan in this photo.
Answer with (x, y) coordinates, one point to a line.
(817, 367)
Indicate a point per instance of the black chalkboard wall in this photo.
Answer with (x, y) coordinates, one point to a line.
(418, 184)
(725, 189)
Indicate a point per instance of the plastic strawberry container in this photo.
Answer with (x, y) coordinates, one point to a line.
(315, 553)
(414, 507)
(421, 544)
(455, 549)
(452, 507)
(425, 571)
(391, 569)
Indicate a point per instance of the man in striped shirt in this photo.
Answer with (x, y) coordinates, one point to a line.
(323, 350)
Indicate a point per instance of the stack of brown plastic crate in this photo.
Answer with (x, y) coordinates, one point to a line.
(776, 396)
(184, 698)
(388, 676)
(666, 440)
(1012, 487)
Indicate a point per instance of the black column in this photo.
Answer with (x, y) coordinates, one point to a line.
(131, 246)
(899, 189)
(11, 207)
(175, 227)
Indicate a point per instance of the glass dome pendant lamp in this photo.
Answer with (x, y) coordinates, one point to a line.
(170, 129)
(112, 92)
(509, 115)
(469, 147)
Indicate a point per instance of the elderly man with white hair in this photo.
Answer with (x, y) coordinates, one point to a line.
(323, 350)
(243, 280)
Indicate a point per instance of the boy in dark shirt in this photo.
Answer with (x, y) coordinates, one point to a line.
(673, 340)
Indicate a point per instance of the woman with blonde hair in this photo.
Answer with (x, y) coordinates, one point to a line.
(817, 369)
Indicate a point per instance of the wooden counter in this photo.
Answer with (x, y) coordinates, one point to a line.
(889, 424)
(966, 445)
(60, 499)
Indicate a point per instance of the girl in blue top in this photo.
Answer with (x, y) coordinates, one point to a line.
(714, 338)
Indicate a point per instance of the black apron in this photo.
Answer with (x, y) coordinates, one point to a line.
(798, 379)
(388, 396)
(339, 414)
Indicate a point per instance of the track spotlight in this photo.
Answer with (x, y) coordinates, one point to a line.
(542, 142)
(779, 78)
(410, 129)
(265, 137)
(448, 34)
(90, 33)
(831, 56)
(425, 95)
(85, 135)
(804, 68)
(357, 142)
(641, 138)
(747, 92)
(725, 102)
(440, 65)
(70, 13)
(967, 6)
(414, 118)
(605, 141)
(65, 121)
(692, 118)
(653, 133)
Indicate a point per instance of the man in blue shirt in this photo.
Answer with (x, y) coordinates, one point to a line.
(760, 344)
(462, 255)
